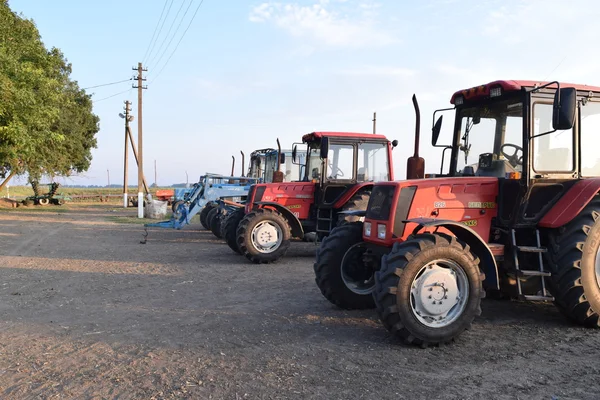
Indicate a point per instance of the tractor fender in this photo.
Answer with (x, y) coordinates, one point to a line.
(571, 203)
(469, 236)
(340, 202)
(295, 224)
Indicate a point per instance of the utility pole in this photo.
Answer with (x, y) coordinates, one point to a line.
(128, 118)
(108, 177)
(155, 184)
(374, 122)
(140, 87)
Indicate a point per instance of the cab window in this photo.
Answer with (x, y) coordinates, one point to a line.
(372, 162)
(340, 162)
(590, 139)
(552, 152)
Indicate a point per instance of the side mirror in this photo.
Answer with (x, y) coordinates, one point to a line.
(435, 132)
(324, 147)
(294, 151)
(394, 143)
(565, 104)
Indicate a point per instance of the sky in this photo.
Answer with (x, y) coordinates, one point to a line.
(248, 72)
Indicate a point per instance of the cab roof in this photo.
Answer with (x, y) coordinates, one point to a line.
(350, 135)
(483, 91)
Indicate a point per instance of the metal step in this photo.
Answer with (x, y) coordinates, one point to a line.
(538, 298)
(532, 249)
(524, 272)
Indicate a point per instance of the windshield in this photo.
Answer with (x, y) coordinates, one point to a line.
(491, 139)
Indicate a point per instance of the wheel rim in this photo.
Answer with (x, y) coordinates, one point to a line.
(353, 272)
(439, 293)
(266, 237)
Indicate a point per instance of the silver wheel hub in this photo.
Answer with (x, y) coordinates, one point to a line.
(266, 237)
(439, 293)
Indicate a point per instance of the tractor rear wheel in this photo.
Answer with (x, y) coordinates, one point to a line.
(204, 215)
(263, 236)
(429, 289)
(574, 261)
(230, 225)
(215, 224)
(339, 271)
(358, 202)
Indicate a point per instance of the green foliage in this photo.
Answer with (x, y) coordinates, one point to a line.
(46, 122)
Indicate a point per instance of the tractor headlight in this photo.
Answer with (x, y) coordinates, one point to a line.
(381, 232)
(367, 229)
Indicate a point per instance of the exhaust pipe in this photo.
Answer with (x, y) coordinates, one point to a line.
(278, 155)
(243, 162)
(232, 165)
(415, 166)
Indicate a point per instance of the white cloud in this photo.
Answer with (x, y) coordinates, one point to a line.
(323, 25)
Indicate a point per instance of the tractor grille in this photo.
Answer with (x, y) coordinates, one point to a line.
(380, 202)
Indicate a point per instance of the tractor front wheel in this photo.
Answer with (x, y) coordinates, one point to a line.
(210, 216)
(204, 214)
(428, 290)
(44, 201)
(340, 272)
(215, 224)
(574, 255)
(230, 225)
(263, 236)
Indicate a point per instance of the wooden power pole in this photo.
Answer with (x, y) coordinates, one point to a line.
(140, 86)
(127, 118)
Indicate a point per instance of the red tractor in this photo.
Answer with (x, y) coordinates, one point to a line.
(516, 213)
(338, 177)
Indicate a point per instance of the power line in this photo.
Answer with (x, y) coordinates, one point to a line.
(155, 28)
(169, 31)
(160, 29)
(106, 84)
(175, 33)
(179, 42)
(105, 98)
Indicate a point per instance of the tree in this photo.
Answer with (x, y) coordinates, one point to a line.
(46, 122)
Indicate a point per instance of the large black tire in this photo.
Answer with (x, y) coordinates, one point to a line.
(244, 235)
(215, 224)
(401, 268)
(204, 215)
(230, 225)
(328, 271)
(572, 255)
(358, 202)
(210, 216)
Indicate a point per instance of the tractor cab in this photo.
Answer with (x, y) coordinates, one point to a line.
(336, 161)
(524, 134)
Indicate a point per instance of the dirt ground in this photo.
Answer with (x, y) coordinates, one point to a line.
(89, 312)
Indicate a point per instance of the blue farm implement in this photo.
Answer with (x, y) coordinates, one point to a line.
(211, 188)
